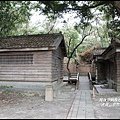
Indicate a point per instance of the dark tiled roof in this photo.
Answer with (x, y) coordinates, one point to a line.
(98, 51)
(115, 41)
(30, 41)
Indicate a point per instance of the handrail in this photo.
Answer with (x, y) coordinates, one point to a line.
(89, 76)
(75, 80)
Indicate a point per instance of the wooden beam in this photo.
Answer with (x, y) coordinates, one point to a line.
(27, 49)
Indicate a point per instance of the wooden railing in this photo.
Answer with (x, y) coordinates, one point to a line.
(74, 78)
(91, 80)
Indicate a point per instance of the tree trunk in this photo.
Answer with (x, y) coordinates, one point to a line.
(69, 73)
(117, 6)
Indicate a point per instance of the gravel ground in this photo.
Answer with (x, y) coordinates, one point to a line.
(107, 106)
(15, 104)
(26, 104)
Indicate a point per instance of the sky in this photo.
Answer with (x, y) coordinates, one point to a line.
(41, 18)
(69, 17)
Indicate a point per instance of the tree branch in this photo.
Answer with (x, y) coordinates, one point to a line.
(55, 19)
(92, 6)
(69, 57)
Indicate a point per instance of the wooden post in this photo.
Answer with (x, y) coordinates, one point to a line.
(49, 93)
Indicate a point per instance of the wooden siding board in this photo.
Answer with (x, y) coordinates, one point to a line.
(26, 73)
(24, 76)
(34, 69)
(39, 71)
(118, 55)
(26, 79)
(55, 64)
(56, 56)
(118, 68)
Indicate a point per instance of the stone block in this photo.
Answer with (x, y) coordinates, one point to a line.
(49, 93)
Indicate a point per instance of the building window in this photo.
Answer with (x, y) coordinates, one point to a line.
(16, 59)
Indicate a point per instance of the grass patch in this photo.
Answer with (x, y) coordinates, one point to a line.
(5, 86)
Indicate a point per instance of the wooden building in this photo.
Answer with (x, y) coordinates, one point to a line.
(97, 67)
(32, 59)
(108, 65)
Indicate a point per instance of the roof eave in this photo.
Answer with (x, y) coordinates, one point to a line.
(57, 43)
(27, 49)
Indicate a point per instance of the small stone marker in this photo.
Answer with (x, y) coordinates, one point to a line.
(49, 93)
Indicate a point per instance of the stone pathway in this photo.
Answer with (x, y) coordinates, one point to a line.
(82, 105)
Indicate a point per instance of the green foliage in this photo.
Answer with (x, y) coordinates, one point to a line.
(112, 18)
(53, 7)
(13, 13)
(83, 10)
(7, 92)
(71, 37)
(5, 86)
(22, 94)
(114, 25)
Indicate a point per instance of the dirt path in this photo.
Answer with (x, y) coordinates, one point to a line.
(15, 104)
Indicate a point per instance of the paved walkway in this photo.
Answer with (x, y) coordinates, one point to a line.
(82, 105)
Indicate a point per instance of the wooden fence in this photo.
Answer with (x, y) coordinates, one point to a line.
(82, 69)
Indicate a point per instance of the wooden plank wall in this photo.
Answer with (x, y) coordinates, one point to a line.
(101, 71)
(56, 56)
(40, 70)
(118, 71)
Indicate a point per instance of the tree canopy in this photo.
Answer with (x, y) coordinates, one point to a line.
(15, 13)
(12, 15)
(83, 10)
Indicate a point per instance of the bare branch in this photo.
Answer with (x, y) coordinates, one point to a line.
(92, 6)
(55, 19)
(69, 57)
(80, 42)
